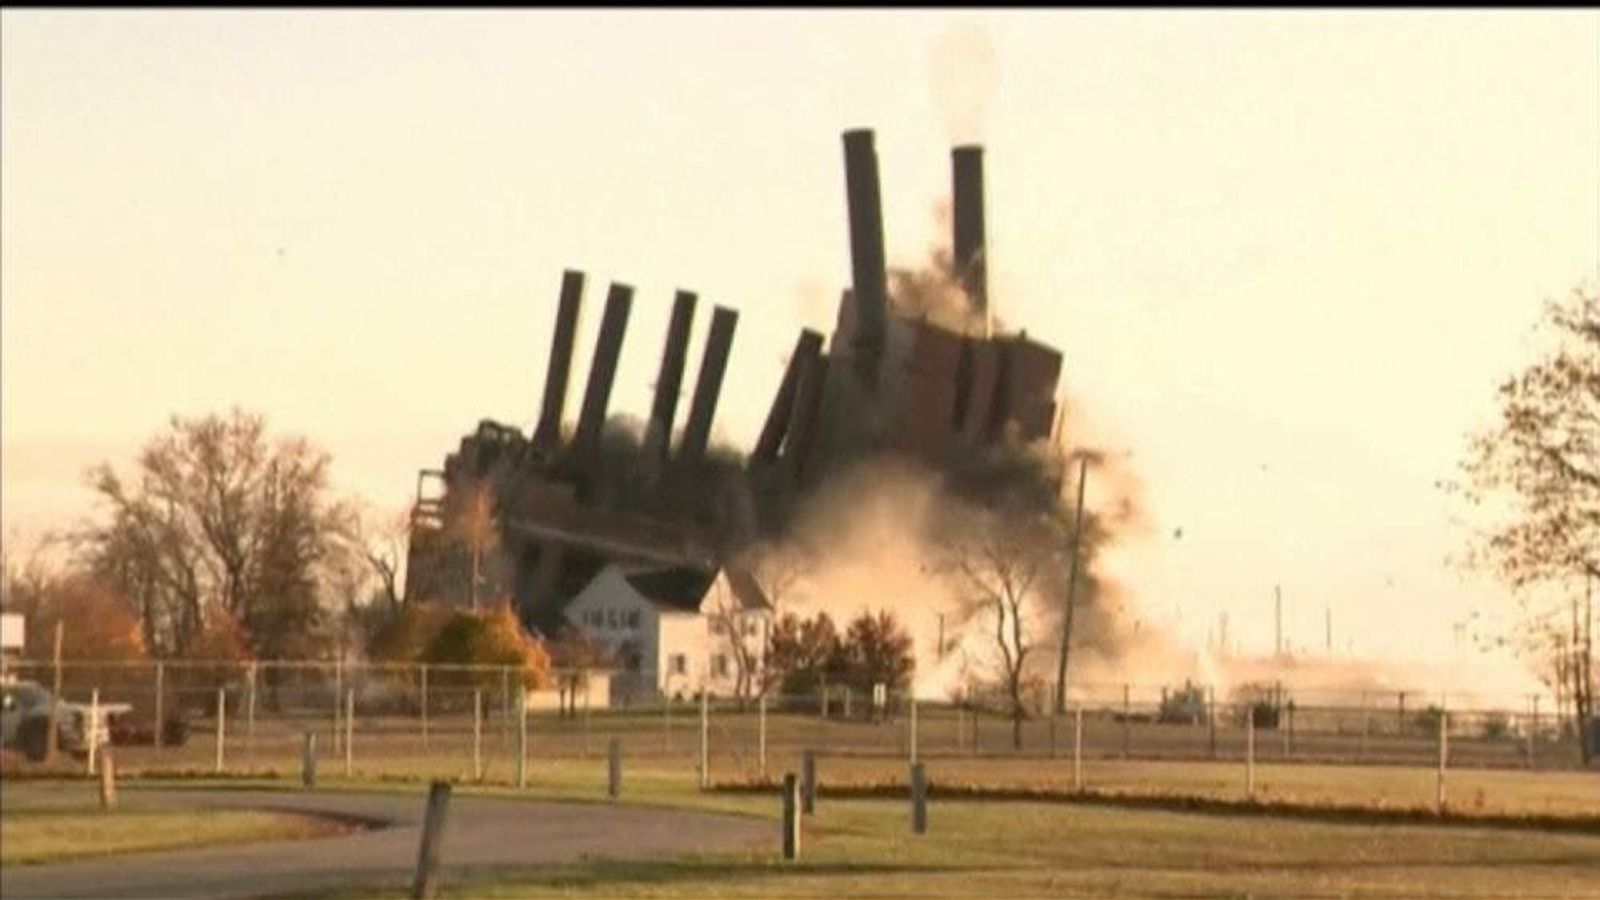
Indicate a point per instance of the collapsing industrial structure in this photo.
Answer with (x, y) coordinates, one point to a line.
(895, 377)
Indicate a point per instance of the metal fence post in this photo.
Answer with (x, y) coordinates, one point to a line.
(433, 823)
(913, 730)
(222, 735)
(1127, 714)
(1211, 721)
(1533, 733)
(1077, 748)
(522, 738)
(349, 732)
(161, 702)
(808, 782)
(761, 736)
(585, 748)
(250, 711)
(505, 706)
(961, 727)
(919, 799)
(423, 706)
(477, 734)
(791, 817)
(1444, 753)
(1250, 753)
(338, 694)
(705, 740)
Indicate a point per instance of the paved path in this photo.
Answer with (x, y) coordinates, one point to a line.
(484, 835)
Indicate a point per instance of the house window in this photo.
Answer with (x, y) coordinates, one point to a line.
(679, 664)
(611, 618)
(633, 619)
(719, 665)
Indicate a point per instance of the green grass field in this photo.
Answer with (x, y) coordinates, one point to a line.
(64, 826)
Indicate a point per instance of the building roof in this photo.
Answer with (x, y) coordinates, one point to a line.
(684, 589)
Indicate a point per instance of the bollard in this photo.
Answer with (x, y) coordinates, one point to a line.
(349, 732)
(93, 737)
(222, 734)
(913, 727)
(761, 736)
(1444, 753)
(791, 817)
(1250, 754)
(919, 799)
(705, 740)
(308, 760)
(477, 734)
(1077, 749)
(161, 704)
(1126, 715)
(614, 770)
(432, 839)
(522, 738)
(808, 782)
(108, 780)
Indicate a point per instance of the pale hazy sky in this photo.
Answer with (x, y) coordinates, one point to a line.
(1287, 256)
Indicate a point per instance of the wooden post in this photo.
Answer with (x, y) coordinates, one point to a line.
(1077, 748)
(1444, 753)
(108, 780)
(522, 738)
(161, 704)
(250, 711)
(919, 799)
(808, 782)
(477, 734)
(433, 824)
(1127, 712)
(423, 706)
(1250, 753)
(614, 770)
(92, 735)
(308, 760)
(222, 731)
(761, 736)
(705, 740)
(52, 737)
(349, 732)
(791, 817)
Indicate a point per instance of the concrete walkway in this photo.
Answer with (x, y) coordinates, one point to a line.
(484, 836)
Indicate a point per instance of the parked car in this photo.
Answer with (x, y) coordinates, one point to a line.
(25, 720)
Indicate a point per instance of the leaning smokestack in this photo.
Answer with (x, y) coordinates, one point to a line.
(807, 409)
(966, 169)
(708, 386)
(670, 380)
(867, 263)
(547, 434)
(806, 349)
(603, 371)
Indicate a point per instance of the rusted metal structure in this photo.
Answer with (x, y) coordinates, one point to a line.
(889, 379)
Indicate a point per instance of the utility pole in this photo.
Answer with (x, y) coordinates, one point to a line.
(1072, 590)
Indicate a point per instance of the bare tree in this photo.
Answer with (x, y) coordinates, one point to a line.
(476, 526)
(1004, 567)
(216, 516)
(777, 570)
(1543, 459)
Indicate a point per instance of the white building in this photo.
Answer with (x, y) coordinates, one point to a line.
(675, 631)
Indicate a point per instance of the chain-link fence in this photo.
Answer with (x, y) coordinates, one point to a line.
(400, 720)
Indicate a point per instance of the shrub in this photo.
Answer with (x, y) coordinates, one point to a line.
(492, 638)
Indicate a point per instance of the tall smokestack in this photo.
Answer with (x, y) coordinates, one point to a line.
(670, 379)
(708, 386)
(867, 263)
(547, 434)
(806, 349)
(812, 379)
(603, 371)
(966, 168)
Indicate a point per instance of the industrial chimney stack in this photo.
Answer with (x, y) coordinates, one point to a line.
(971, 265)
